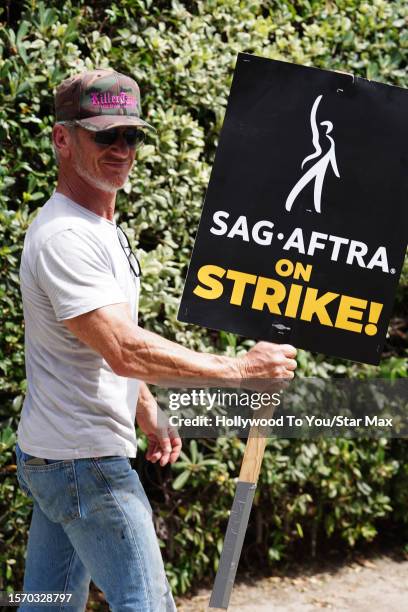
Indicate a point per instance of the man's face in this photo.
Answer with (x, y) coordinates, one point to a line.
(105, 167)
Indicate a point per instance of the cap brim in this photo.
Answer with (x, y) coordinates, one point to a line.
(107, 122)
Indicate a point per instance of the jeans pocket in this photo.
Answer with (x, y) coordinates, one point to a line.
(22, 482)
(20, 474)
(54, 488)
(120, 474)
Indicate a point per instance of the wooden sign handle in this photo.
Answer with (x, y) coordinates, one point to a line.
(240, 511)
(238, 520)
(253, 456)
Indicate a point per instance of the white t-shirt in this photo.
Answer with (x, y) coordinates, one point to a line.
(75, 405)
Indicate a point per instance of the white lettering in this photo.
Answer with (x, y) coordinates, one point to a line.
(336, 246)
(352, 252)
(379, 259)
(266, 237)
(222, 226)
(240, 228)
(314, 242)
(295, 241)
(356, 251)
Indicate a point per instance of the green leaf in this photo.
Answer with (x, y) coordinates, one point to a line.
(193, 451)
(181, 480)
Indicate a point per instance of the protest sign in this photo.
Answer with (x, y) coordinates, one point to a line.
(303, 230)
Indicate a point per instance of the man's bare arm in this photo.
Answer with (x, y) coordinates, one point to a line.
(163, 442)
(134, 352)
(145, 399)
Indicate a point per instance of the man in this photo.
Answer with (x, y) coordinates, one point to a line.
(86, 358)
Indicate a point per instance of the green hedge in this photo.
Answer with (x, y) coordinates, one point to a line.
(183, 55)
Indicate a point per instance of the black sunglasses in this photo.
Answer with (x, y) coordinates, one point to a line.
(133, 136)
(131, 257)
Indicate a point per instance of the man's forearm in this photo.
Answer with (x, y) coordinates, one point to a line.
(145, 398)
(155, 359)
(135, 352)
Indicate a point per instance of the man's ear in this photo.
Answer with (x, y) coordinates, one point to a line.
(62, 139)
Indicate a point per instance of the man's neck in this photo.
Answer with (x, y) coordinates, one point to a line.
(100, 202)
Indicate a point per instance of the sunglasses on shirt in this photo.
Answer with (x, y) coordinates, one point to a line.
(131, 257)
(133, 137)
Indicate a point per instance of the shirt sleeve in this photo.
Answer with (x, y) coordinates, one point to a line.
(76, 274)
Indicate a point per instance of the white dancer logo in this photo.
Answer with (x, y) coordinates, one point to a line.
(318, 170)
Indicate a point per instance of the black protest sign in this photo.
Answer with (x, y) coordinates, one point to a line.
(303, 231)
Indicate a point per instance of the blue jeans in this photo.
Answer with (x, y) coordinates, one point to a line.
(92, 519)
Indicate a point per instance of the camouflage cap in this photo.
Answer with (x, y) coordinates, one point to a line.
(99, 100)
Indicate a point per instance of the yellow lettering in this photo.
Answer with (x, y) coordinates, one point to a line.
(292, 304)
(262, 296)
(302, 272)
(288, 298)
(347, 311)
(316, 306)
(215, 288)
(240, 282)
(284, 267)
